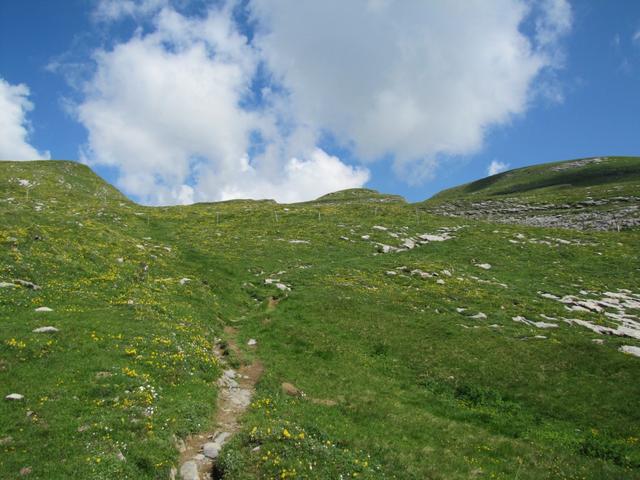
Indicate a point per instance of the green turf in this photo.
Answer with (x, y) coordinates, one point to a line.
(414, 394)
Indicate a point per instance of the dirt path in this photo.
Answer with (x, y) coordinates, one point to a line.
(236, 387)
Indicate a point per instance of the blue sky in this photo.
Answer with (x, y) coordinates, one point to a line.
(177, 101)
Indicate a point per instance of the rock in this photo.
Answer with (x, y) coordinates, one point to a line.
(479, 316)
(7, 285)
(635, 351)
(211, 449)
(45, 330)
(427, 237)
(252, 342)
(240, 397)
(298, 241)
(179, 444)
(189, 471)
(291, 390)
(229, 373)
(598, 341)
(120, 260)
(391, 273)
(484, 266)
(120, 456)
(520, 319)
(365, 237)
(198, 457)
(103, 375)
(172, 473)
(282, 286)
(26, 284)
(14, 397)
(409, 243)
(379, 228)
(184, 281)
(255, 449)
(44, 309)
(346, 239)
(222, 438)
(440, 281)
(25, 471)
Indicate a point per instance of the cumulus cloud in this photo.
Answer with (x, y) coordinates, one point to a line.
(165, 109)
(410, 79)
(496, 167)
(191, 109)
(14, 126)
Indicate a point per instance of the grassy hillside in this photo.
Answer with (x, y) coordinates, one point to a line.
(592, 193)
(401, 376)
(608, 176)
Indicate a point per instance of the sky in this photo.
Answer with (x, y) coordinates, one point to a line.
(178, 101)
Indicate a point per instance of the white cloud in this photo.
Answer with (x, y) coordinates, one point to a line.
(164, 108)
(14, 126)
(496, 167)
(112, 10)
(636, 37)
(411, 79)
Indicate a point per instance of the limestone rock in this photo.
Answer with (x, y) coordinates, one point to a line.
(14, 397)
(189, 471)
(47, 329)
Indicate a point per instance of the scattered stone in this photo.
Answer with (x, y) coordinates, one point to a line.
(48, 329)
(346, 239)
(440, 281)
(635, 351)
(282, 286)
(379, 228)
(391, 273)
(120, 260)
(211, 450)
(7, 285)
(26, 284)
(298, 241)
(14, 397)
(484, 266)
(252, 342)
(184, 281)
(365, 237)
(120, 456)
(255, 449)
(521, 319)
(409, 243)
(198, 457)
(598, 341)
(189, 471)
(291, 390)
(44, 309)
(479, 316)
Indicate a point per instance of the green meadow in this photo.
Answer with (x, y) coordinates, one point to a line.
(401, 377)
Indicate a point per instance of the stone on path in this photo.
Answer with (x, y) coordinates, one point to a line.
(47, 329)
(635, 351)
(14, 397)
(211, 449)
(189, 471)
(44, 309)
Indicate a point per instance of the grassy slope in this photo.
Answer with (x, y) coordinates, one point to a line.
(418, 396)
(614, 176)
